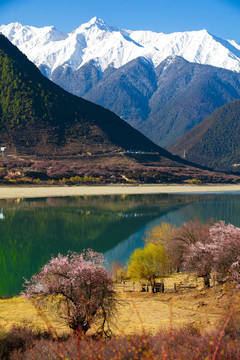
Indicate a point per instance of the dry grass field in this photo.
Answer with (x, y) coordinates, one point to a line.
(139, 312)
(147, 312)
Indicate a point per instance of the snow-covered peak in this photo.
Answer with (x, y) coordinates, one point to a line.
(95, 22)
(20, 34)
(105, 45)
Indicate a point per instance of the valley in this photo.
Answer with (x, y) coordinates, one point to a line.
(119, 180)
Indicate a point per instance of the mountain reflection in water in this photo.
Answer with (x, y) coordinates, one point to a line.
(32, 230)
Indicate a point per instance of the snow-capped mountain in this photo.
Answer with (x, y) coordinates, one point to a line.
(106, 45)
(162, 84)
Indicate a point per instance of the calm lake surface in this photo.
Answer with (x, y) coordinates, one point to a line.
(34, 229)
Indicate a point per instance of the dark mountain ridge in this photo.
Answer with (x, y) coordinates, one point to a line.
(215, 141)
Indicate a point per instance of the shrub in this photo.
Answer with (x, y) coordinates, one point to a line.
(76, 179)
(195, 181)
(20, 339)
(179, 344)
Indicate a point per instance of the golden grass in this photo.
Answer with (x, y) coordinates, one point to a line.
(19, 311)
(138, 312)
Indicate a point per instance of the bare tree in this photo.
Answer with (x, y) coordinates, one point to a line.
(182, 237)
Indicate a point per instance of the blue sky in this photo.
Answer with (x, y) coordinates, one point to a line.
(219, 17)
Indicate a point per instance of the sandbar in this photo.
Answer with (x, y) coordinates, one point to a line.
(16, 192)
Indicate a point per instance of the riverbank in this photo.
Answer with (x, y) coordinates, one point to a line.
(13, 192)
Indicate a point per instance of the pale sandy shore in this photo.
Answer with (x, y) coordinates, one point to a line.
(15, 192)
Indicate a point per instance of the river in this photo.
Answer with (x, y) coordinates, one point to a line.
(33, 230)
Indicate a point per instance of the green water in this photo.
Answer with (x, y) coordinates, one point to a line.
(32, 230)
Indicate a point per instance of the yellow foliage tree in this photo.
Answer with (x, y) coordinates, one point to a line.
(118, 272)
(148, 263)
(160, 234)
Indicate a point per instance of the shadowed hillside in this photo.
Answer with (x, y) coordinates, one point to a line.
(214, 142)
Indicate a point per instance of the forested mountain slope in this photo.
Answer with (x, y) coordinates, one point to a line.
(216, 141)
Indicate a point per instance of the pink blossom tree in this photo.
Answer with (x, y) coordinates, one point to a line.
(225, 246)
(199, 258)
(221, 253)
(80, 285)
(235, 270)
